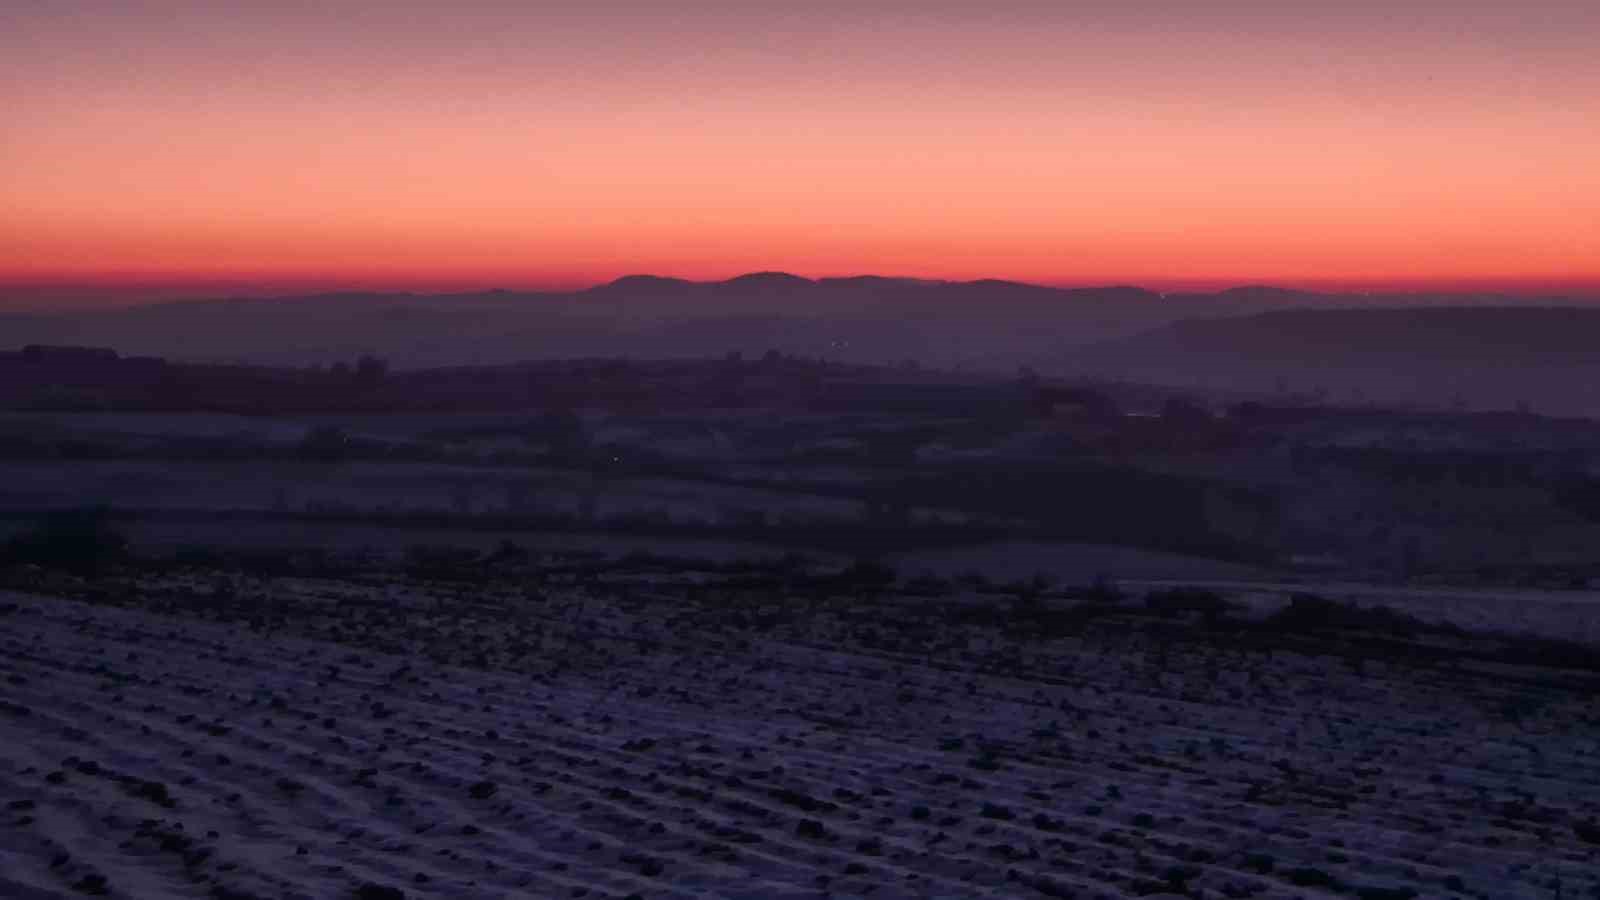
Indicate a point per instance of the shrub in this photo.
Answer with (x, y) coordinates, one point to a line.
(1311, 613)
(866, 574)
(80, 541)
(1209, 605)
(1305, 612)
(442, 562)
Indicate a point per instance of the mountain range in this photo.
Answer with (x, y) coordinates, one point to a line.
(1432, 348)
(865, 319)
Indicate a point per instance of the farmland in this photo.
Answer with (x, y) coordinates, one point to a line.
(659, 730)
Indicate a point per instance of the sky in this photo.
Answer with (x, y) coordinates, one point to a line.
(1171, 143)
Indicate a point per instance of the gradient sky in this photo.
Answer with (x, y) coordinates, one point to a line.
(434, 145)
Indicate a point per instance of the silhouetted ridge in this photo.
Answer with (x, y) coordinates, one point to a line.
(1264, 292)
(998, 283)
(880, 281)
(768, 280)
(1115, 292)
(646, 282)
(991, 325)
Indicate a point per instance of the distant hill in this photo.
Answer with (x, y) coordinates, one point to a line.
(864, 319)
(1546, 358)
(991, 324)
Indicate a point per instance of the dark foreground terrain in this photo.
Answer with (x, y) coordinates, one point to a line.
(655, 731)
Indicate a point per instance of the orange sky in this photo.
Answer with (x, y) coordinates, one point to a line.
(393, 144)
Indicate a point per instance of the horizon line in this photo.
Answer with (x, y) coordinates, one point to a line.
(114, 290)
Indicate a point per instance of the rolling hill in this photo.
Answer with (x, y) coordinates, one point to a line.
(865, 319)
(1543, 358)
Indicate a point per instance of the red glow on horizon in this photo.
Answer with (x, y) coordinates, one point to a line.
(282, 148)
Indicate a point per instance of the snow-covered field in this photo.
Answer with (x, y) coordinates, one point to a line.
(320, 739)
